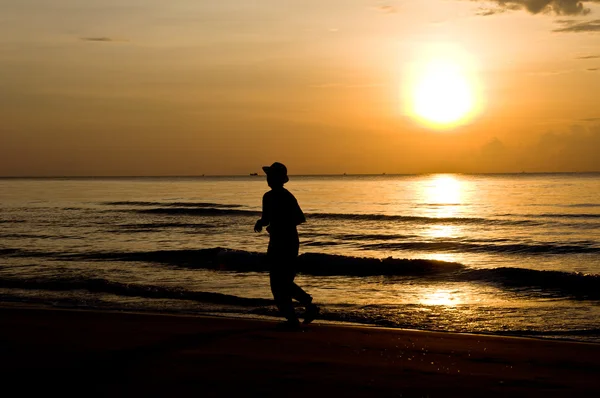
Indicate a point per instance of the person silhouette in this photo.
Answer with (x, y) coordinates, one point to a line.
(281, 214)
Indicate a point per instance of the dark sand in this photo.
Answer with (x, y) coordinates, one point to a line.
(89, 353)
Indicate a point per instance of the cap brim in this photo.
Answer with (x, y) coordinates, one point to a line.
(266, 169)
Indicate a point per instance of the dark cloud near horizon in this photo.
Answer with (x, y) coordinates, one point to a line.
(575, 26)
(102, 39)
(588, 57)
(573, 151)
(558, 7)
(593, 69)
(96, 39)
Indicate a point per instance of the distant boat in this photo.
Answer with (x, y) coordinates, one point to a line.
(253, 174)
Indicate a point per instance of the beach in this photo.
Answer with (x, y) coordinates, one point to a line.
(94, 353)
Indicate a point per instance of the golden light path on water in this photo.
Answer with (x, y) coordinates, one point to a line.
(443, 194)
(440, 196)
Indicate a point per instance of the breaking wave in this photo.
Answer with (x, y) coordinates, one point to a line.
(555, 283)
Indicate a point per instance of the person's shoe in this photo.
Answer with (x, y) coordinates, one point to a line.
(312, 311)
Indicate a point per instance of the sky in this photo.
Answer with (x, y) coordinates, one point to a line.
(187, 87)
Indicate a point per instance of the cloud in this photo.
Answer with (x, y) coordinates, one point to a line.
(387, 9)
(102, 39)
(341, 85)
(494, 148)
(575, 150)
(487, 11)
(96, 39)
(591, 119)
(551, 72)
(574, 26)
(558, 7)
(593, 69)
(588, 57)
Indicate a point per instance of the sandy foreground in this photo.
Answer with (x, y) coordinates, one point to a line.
(89, 353)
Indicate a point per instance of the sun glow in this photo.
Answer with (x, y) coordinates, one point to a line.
(441, 89)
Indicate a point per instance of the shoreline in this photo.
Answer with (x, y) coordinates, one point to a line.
(141, 354)
(276, 319)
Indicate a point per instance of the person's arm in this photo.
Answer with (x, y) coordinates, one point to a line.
(299, 217)
(266, 216)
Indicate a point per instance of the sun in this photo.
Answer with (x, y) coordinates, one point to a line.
(442, 95)
(442, 92)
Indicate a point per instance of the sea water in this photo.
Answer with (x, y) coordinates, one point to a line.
(514, 254)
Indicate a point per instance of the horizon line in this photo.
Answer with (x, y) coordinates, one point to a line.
(291, 175)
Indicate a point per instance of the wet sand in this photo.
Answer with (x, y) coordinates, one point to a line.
(90, 353)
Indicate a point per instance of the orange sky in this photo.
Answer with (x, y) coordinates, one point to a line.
(186, 87)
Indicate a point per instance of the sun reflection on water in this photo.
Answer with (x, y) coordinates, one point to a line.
(443, 190)
(441, 297)
(447, 257)
(443, 231)
(443, 195)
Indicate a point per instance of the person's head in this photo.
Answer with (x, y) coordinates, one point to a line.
(276, 174)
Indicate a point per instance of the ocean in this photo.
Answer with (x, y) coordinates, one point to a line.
(509, 254)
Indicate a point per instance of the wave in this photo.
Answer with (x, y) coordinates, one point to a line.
(221, 259)
(171, 204)
(213, 211)
(445, 204)
(210, 211)
(317, 264)
(470, 247)
(99, 285)
(550, 215)
(30, 236)
(557, 283)
(575, 284)
(145, 227)
(10, 252)
(567, 215)
(367, 237)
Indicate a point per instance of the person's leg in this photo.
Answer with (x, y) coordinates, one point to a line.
(281, 282)
(311, 310)
(283, 257)
(300, 295)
